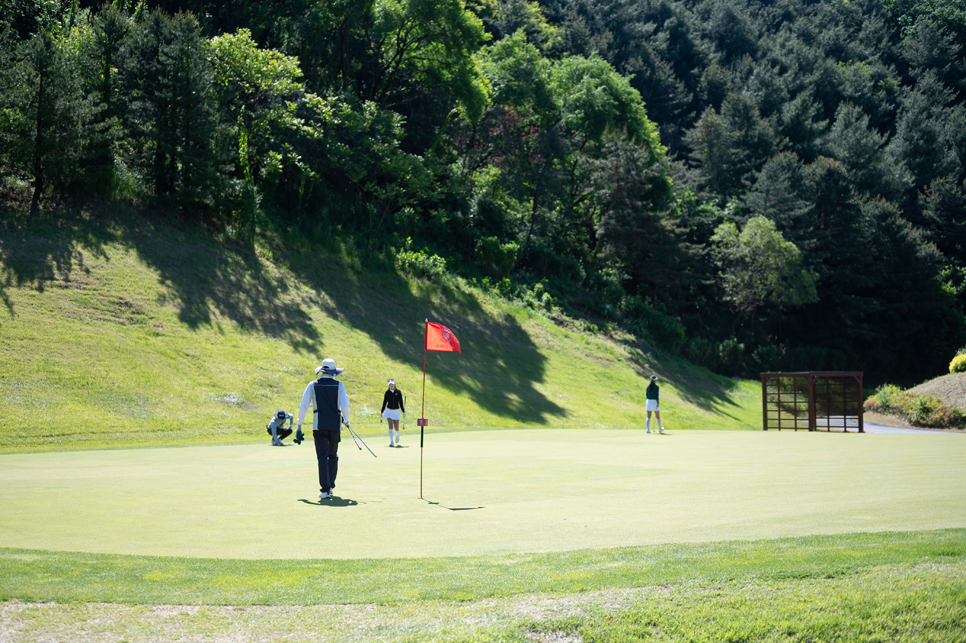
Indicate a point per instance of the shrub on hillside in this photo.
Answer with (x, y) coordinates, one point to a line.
(958, 365)
(420, 264)
(917, 409)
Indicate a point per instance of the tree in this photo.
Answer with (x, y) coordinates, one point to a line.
(598, 108)
(257, 90)
(46, 114)
(730, 146)
(862, 151)
(422, 46)
(801, 128)
(170, 108)
(758, 267)
(921, 143)
(778, 192)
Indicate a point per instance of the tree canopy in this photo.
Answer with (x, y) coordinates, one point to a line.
(670, 167)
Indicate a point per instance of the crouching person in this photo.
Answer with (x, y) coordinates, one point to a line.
(276, 428)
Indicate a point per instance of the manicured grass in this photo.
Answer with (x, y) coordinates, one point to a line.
(29, 575)
(858, 587)
(484, 492)
(123, 331)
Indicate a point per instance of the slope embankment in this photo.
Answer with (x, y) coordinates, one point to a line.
(119, 328)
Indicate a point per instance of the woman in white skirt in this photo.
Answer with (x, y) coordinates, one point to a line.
(653, 404)
(392, 405)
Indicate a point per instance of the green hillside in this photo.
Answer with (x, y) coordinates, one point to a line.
(118, 329)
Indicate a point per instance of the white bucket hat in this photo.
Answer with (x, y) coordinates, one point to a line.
(328, 367)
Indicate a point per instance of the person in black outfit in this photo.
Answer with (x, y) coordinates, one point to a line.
(392, 404)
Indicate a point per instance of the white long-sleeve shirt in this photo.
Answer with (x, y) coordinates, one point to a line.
(308, 401)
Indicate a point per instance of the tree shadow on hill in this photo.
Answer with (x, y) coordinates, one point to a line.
(205, 282)
(499, 369)
(40, 252)
(200, 280)
(499, 366)
(694, 385)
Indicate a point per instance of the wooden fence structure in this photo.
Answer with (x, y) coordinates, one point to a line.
(816, 400)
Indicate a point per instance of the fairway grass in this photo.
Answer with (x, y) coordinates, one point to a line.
(484, 493)
(524, 535)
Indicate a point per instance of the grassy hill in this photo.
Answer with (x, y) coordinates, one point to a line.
(119, 328)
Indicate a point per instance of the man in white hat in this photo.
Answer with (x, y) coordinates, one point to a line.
(330, 410)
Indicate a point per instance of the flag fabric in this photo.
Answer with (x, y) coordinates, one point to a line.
(440, 338)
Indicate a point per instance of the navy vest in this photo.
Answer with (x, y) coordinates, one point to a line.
(328, 417)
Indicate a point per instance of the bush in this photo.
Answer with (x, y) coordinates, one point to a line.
(958, 365)
(420, 264)
(497, 259)
(918, 410)
(641, 318)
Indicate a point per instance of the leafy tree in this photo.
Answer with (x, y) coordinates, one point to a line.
(170, 108)
(257, 89)
(912, 13)
(46, 114)
(422, 46)
(758, 268)
(779, 191)
(730, 146)
(503, 18)
(597, 106)
(862, 150)
(518, 137)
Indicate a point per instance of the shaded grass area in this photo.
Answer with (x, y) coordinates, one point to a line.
(74, 577)
(120, 328)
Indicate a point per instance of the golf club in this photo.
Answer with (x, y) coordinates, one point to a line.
(356, 438)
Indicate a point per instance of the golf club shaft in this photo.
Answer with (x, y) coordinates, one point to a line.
(355, 435)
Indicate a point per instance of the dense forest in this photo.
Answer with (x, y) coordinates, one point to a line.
(756, 185)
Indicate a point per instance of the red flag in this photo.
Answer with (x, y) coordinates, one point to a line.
(440, 338)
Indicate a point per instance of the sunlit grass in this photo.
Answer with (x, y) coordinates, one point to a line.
(118, 331)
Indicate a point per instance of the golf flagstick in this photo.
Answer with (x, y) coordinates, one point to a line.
(440, 339)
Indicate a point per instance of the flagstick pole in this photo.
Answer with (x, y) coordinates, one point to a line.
(422, 413)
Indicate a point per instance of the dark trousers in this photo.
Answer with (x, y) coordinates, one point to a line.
(326, 451)
(281, 433)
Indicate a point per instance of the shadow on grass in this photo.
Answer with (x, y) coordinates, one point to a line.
(202, 281)
(331, 502)
(499, 366)
(498, 369)
(696, 386)
(36, 252)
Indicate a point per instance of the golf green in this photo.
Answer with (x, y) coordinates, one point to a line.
(484, 492)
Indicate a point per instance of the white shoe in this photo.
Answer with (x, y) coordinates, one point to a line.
(648, 430)
(662, 430)
(325, 495)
